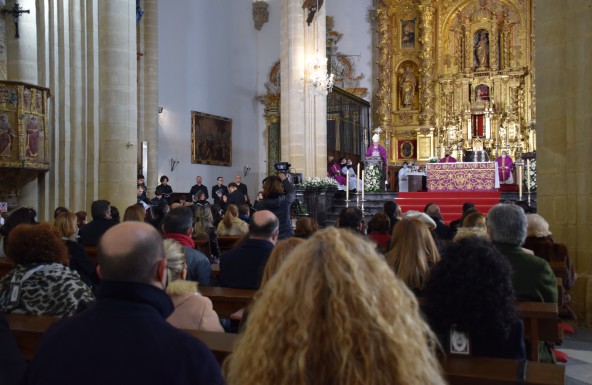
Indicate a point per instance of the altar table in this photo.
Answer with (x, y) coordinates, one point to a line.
(473, 176)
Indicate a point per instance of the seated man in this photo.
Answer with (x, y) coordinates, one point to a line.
(532, 278)
(235, 197)
(242, 267)
(334, 171)
(348, 171)
(505, 165)
(125, 338)
(351, 218)
(178, 225)
(101, 213)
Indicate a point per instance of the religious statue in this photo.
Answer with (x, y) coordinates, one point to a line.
(504, 168)
(407, 85)
(260, 14)
(482, 51)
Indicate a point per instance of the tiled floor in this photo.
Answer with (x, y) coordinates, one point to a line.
(578, 348)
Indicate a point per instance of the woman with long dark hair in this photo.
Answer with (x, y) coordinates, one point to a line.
(278, 195)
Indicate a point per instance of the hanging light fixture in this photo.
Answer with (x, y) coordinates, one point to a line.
(320, 82)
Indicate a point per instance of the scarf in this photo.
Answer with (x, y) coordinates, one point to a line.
(183, 239)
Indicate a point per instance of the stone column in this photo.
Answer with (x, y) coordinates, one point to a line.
(118, 102)
(21, 66)
(303, 114)
(148, 91)
(426, 117)
(564, 137)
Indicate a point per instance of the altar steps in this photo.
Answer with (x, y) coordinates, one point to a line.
(450, 203)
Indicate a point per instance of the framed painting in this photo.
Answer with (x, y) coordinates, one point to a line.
(408, 33)
(211, 139)
(406, 148)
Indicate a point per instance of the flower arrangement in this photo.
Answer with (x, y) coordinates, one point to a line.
(317, 183)
(530, 173)
(433, 160)
(372, 178)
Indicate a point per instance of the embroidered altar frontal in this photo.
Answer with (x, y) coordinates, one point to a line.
(461, 176)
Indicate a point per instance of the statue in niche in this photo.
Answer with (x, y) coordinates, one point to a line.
(407, 85)
(482, 50)
(6, 136)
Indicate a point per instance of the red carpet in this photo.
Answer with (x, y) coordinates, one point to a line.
(450, 202)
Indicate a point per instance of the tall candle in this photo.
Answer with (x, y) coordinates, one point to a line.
(519, 181)
(347, 185)
(358, 174)
(528, 175)
(362, 184)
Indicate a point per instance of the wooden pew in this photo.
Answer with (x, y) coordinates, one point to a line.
(6, 266)
(227, 300)
(540, 324)
(92, 253)
(227, 243)
(490, 371)
(203, 245)
(28, 331)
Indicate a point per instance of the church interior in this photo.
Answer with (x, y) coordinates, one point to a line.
(95, 92)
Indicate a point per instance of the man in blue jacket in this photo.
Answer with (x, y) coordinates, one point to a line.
(124, 338)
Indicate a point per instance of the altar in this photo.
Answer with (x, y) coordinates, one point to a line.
(475, 176)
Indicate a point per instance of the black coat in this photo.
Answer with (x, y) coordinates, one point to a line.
(123, 339)
(280, 206)
(242, 268)
(91, 232)
(82, 264)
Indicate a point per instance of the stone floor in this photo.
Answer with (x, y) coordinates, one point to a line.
(578, 348)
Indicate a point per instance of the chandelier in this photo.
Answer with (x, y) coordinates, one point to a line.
(320, 81)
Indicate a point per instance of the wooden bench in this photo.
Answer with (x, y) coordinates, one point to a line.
(92, 253)
(203, 245)
(227, 243)
(490, 371)
(6, 266)
(227, 301)
(28, 331)
(540, 324)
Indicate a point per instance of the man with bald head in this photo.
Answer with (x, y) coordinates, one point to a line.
(124, 337)
(242, 267)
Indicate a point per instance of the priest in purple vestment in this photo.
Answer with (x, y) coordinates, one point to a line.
(377, 150)
(334, 171)
(447, 158)
(504, 168)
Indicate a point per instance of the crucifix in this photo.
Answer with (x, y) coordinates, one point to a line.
(16, 12)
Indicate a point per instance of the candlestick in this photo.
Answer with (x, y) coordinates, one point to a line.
(358, 174)
(362, 185)
(528, 175)
(347, 185)
(519, 181)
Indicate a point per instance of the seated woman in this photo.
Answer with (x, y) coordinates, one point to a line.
(472, 226)
(334, 314)
(41, 283)
(134, 213)
(192, 310)
(305, 227)
(66, 226)
(413, 253)
(470, 291)
(378, 231)
(203, 229)
(231, 225)
(540, 240)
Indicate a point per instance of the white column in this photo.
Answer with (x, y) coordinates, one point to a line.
(118, 98)
(303, 113)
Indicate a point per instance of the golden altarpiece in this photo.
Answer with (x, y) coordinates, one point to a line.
(455, 75)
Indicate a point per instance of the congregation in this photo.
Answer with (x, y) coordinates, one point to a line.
(343, 302)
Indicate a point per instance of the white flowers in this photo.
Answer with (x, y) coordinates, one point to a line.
(317, 183)
(531, 174)
(372, 178)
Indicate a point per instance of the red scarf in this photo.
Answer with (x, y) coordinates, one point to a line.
(183, 239)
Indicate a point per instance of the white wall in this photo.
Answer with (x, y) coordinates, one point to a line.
(213, 60)
(352, 20)
(208, 63)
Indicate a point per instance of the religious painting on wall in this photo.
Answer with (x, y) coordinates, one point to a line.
(211, 139)
(408, 33)
(482, 93)
(406, 148)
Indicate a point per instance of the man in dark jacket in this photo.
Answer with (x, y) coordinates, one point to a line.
(242, 267)
(196, 188)
(101, 213)
(235, 197)
(218, 191)
(124, 338)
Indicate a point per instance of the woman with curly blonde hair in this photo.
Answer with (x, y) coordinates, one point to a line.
(413, 254)
(334, 314)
